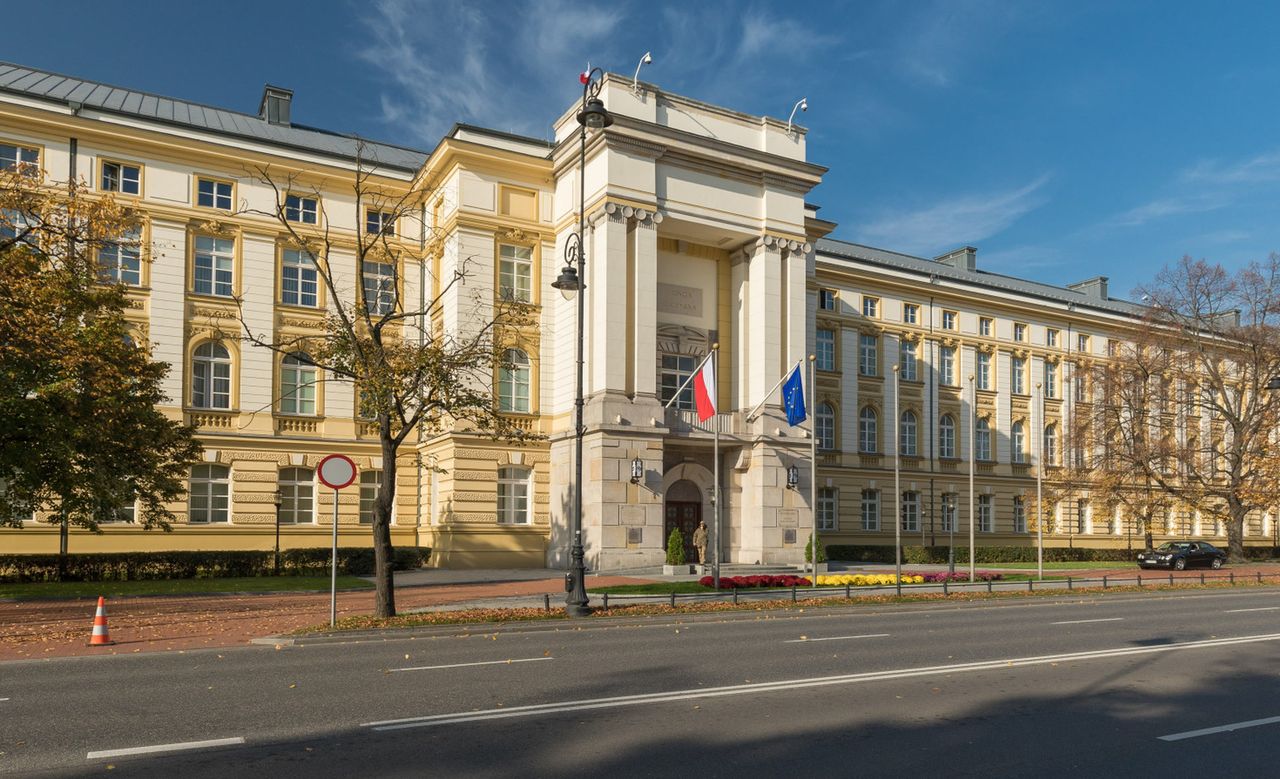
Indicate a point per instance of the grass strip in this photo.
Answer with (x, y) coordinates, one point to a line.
(254, 584)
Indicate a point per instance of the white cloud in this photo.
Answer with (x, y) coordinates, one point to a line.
(1169, 206)
(1260, 169)
(954, 220)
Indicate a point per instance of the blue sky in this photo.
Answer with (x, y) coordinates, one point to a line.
(1063, 139)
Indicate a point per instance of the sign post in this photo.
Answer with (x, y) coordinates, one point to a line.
(335, 471)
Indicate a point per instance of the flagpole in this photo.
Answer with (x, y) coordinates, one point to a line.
(973, 416)
(786, 375)
(689, 378)
(715, 488)
(897, 484)
(813, 463)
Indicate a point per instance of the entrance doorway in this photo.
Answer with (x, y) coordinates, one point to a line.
(683, 510)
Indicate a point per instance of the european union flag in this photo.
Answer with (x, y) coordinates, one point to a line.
(793, 397)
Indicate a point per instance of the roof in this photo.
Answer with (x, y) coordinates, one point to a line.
(69, 91)
(843, 250)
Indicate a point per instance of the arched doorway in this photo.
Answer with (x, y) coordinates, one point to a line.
(682, 504)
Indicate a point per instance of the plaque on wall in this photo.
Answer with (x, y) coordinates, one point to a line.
(679, 299)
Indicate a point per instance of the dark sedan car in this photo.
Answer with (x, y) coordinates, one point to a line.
(1182, 554)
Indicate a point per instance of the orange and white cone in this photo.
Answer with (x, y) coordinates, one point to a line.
(101, 635)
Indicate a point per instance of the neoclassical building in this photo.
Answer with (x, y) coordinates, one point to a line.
(698, 232)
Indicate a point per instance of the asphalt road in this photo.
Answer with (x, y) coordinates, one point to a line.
(1118, 685)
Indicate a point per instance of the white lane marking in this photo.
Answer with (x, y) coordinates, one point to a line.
(1261, 608)
(834, 638)
(181, 746)
(468, 665)
(792, 684)
(1253, 723)
(2, 700)
(1083, 621)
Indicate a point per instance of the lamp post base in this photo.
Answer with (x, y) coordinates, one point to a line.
(576, 603)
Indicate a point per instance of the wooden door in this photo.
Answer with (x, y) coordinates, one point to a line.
(684, 515)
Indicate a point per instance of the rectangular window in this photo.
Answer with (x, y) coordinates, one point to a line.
(827, 299)
(910, 313)
(676, 369)
(984, 325)
(1081, 387)
(121, 262)
(1050, 380)
(986, 514)
(868, 355)
(379, 287)
(1051, 337)
(826, 349)
(1082, 516)
(209, 494)
(214, 266)
(907, 360)
(515, 273)
(870, 510)
(299, 281)
(122, 178)
(949, 502)
(827, 508)
(1082, 343)
(1019, 331)
(948, 320)
(369, 481)
(299, 208)
(984, 371)
(297, 496)
(23, 158)
(1018, 374)
(870, 307)
(513, 496)
(1019, 516)
(213, 194)
(948, 366)
(910, 511)
(383, 222)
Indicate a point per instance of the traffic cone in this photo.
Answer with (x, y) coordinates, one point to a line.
(101, 635)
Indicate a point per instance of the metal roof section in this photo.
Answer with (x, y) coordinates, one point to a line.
(68, 90)
(845, 251)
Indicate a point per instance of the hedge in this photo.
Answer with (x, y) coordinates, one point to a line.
(136, 566)
(916, 555)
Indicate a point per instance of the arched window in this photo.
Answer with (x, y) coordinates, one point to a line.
(947, 436)
(209, 494)
(907, 434)
(1050, 455)
(982, 439)
(514, 500)
(1018, 439)
(825, 422)
(868, 436)
(297, 385)
(513, 382)
(211, 376)
(297, 496)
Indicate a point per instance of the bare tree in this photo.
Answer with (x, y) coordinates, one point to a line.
(426, 365)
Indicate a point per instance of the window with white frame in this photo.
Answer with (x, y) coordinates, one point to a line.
(299, 280)
(825, 350)
(947, 369)
(369, 482)
(984, 371)
(302, 209)
(907, 433)
(1018, 375)
(984, 325)
(515, 273)
(209, 494)
(827, 508)
(1018, 441)
(120, 262)
(25, 159)
(675, 371)
(947, 436)
(949, 320)
(379, 282)
(214, 266)
(513, 382)
(870, 509)
(297, 496)
(825, 423)
(513, 496)
(827, 299)
(1019, 515)
(949, 503)
(868, 435)
(15, 225)
(211, 193)
(1019, 331)
(907, 360)
(376, 222)
(910, 313)
(121, 177)
(910, 511)
(870, 307)
(1051, 337)
(868, 355)
(982, 439)
(1050, 380)
(1050, 452)
(297, 385)
(986, 514)
(1082, 516)
(211, 376)
(1082, 343)
(120, 515)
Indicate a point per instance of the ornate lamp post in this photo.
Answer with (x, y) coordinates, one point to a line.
(278, 499)
(573, 279)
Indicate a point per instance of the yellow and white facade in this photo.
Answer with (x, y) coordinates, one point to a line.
(698, 233)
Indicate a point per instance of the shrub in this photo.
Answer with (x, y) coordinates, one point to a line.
(675, 547)
(761, 580)
(920, 555)
(808, 551)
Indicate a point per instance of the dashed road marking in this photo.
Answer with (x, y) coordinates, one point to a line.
(1253, 723)
(834, 638)
(468, 665)
(1260, 608)
(1083, 621)
(155, 748)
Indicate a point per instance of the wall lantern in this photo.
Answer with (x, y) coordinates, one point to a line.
(637, 470)
(793, 477)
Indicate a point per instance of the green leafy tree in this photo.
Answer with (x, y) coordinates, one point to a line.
(675, 547)
(808, 551)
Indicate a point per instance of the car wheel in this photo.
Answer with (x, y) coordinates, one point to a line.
(1217, 563)
(1180, 563)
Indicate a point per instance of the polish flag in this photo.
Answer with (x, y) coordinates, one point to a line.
(704, 390)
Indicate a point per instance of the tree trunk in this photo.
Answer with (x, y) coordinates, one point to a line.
(1147, 534)
(64, 531)
(383, 576)
(1235, 531)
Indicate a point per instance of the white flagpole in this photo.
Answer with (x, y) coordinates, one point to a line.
(973, 416)
(715, 488)
(752, 414)
(813, 462)
(689, 378)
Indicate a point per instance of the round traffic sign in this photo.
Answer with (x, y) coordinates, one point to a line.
(336, 471)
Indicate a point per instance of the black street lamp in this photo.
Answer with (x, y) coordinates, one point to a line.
(573, 279)
(278, 499)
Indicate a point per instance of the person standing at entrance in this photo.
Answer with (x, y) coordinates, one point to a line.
(700, 542)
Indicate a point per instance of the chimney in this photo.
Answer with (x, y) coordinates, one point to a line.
(275, 105)
(964, 258)
(1094, 288)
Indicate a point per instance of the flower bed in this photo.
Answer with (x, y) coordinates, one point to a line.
(762, 580)
(882, 579)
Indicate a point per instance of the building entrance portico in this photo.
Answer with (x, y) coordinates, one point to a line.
(682, 507)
